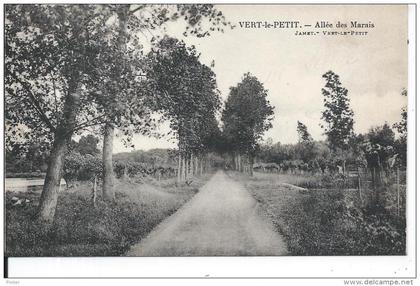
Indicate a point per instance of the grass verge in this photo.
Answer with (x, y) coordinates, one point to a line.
(79, 229)
(325, 222)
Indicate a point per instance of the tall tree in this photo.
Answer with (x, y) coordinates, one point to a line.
(378, 148)
(303, 133)
(401, 142)
(246, 116)
(338, 115)
(187, 96)
(306, 145)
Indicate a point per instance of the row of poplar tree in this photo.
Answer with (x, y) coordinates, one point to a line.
(77, 68)
(72, 68)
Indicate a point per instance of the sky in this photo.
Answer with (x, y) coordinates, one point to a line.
(372, 67)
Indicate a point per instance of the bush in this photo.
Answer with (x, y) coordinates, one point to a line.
(78, 167)
(134, 169)
(328, 226)
(329, 221)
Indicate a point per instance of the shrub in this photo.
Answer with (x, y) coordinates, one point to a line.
(79, 167)
(326, 225)
(329, 221)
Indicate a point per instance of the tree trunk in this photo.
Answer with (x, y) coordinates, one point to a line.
(376, 188)
(188, 167)
(49, 196)
(239, 165)
(178, 174)
(201, 166)
(62, 136)
(237, 162)
(191, 165)
(94, 192)
(184, 168)
(196, 165)
(108, 172)
(181, 172)
(251, 165)
(372, 173)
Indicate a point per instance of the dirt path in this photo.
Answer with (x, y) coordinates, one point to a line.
(222, 219)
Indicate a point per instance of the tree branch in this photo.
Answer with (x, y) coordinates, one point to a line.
(90, 123)
(55, 100)
(136, 9)
(35, 104)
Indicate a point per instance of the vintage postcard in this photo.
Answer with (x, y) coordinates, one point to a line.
(201, 130)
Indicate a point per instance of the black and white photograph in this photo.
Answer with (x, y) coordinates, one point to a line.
(207, 130)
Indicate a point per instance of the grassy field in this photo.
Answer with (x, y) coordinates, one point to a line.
(79, 229)
(324, 222)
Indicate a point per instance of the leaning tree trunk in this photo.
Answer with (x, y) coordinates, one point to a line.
(108, 172)
(62, 136)
(49, 196)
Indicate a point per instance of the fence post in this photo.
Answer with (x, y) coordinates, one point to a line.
(375, 189)
(398, 191)
(360, 187)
